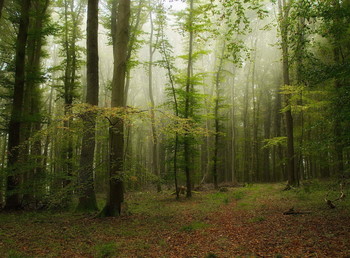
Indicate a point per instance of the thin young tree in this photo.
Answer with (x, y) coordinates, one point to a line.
(187, 111)
(155, 145)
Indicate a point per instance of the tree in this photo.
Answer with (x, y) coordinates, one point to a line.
(87, 198)
(284, 8)
(13, 200)
(155, 145)
(1, 6)
(167, 62)
(70, 34)
(218, 100)
(40, 27)
(120, 39)
(188, 102)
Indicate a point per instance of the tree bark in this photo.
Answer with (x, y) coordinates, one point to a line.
(120, 50)
(187, 104)
(87, 198)
(293, 178)
(1, 7)
(155, 147)
(13, 200)
(217, 118)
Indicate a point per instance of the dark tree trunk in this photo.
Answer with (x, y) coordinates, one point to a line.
(293, 178)
(13, 200)
(1, 7)
(32, 102)
(120, 49)
(217, 118)
(267, 135)
(87, 198)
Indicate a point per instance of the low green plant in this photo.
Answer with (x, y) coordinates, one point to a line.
(105, 250)
(16, 254)
(194, 226)
(238, 195)
(257, 219)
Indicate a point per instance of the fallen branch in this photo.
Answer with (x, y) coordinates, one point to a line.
(330, 203)
(291, 211)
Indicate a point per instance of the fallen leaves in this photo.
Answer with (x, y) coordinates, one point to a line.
(188, 228)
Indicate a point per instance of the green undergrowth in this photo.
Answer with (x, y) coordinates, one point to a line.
(196, 225)
(312, 194)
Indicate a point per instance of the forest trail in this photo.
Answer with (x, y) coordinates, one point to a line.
(240, 222)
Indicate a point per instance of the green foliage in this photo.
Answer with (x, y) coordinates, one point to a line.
(105, 250)
(196, 225)
(276, 141)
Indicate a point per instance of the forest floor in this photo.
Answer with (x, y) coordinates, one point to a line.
(243, 221)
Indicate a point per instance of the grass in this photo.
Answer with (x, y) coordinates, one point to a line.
(196, 225)
(161, 226)
(257, 219)
(104, 250)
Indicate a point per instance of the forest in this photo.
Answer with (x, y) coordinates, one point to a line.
(174, 128)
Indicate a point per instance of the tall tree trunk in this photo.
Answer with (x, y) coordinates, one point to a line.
(293, 178)
(67, 152)
(233, 132)
(246, 128)
(168, 67)
(255, 149)
(1, 7)
(120, 50)
(155, 147)
(267, 135)
(187, 151)
(217, 118)
(32, 103)
(13, 200)
(87, 198)
(2, 169)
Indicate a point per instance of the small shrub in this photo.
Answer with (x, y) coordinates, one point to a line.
(226, 200)
(194, 226)
(238, 195)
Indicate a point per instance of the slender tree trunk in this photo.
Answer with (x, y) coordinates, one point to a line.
(337, 128)
(87, 198)
(32, 102)
(172, 83)
(116, 132)
(155, 147)
(293, 178)
(216, 115)
(246, 128)
(187, 147)
(67, 152)
(255, 156)
(1, 7)
(2, 169)
(13, 200)
(267, 135)
(233, 133)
